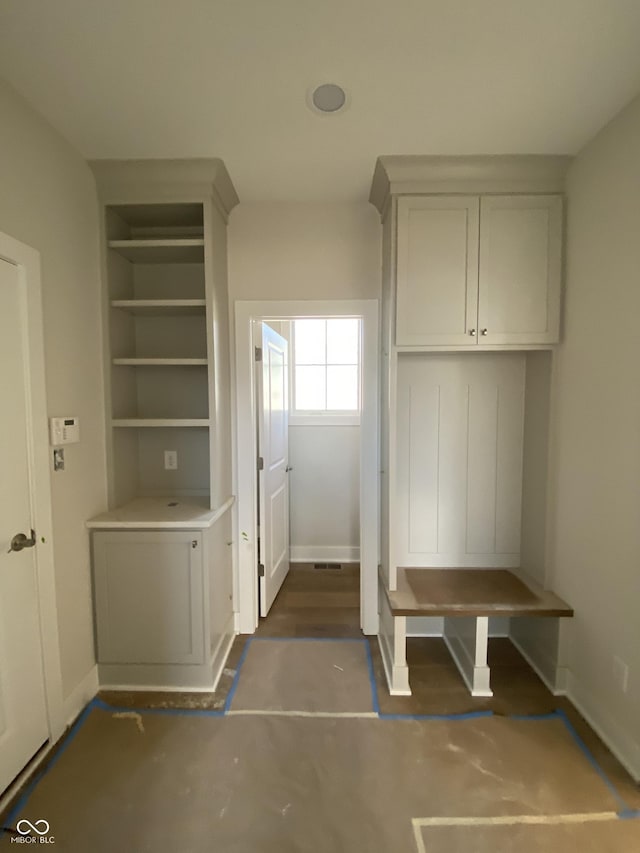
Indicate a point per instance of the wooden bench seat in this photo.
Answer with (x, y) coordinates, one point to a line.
(466, 598)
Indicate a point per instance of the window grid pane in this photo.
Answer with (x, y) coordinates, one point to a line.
(342, 388)
(310, 341)
(343, 342)
(311, 388)
(330, 384)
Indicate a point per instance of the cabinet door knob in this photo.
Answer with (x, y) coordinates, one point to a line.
(472, 332)
(483, 331)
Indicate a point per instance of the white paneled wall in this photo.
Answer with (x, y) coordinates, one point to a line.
(459, 464)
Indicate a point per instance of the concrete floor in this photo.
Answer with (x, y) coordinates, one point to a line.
(303, 749)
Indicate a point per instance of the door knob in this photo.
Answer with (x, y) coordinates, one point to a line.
(288, 468)
(20, 541)
(484, 331)
(472, 332)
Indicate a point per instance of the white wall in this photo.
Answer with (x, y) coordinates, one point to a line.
(304, 251)
(595, 476)
(312, 251)
(48, 200)
(325, 493)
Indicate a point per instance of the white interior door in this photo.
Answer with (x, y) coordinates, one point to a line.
(273, 449)
(23, 715)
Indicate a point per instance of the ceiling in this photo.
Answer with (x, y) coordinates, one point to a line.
(229, 78)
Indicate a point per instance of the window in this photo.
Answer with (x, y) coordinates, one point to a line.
(326, 366)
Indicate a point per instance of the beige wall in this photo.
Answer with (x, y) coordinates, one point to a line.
(595, 478)
(304, 251)
(48, 200)
(312, 251)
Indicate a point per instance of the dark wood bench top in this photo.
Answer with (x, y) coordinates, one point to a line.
(471, 592)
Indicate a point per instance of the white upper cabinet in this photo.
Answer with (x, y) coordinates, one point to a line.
(520, 269)
(437, 270)
(478, 270)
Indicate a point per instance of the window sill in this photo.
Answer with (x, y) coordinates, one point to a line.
(324, 420)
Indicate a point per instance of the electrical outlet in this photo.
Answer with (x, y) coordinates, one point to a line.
(58, 459)
(170, 460)
(621, 673)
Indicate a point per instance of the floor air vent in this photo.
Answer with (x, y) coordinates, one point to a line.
(333, 566)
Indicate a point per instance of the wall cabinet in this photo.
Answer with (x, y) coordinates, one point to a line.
(478, 270)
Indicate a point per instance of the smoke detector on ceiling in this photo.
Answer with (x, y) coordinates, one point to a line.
(327, 99)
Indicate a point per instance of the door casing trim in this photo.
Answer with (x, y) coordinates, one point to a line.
(245, 450)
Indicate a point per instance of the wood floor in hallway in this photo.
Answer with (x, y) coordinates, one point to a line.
(323, 602)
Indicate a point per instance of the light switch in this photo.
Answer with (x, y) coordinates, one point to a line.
(170, 460)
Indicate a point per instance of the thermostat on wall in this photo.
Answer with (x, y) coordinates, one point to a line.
(64, 431)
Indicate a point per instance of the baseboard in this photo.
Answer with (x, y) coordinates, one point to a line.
(188, 678)
(324, 554)
(221, 653)
(387, 658)
(81, 695)
(433, 626)
(461, 659)
(72, 707)
(13, 793)
(390, 668)
(624, 747)
(556, 686)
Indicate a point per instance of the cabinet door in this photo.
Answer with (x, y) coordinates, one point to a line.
(148, 597)
(520, 269)
(437, 271)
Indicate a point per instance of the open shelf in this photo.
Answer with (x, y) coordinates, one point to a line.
(154, 251)
(160, 422)
(161, 307)
(161, 362)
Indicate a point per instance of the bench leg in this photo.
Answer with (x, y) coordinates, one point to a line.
(467, 639)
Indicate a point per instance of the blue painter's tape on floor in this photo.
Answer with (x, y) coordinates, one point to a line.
(470, 715)
(624, 808)
(535, 717)
(73, 731)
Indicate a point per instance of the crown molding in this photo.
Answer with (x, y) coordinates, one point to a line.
(426, 174)
(164, 180)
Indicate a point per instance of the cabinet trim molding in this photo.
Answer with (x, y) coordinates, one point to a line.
(477, 175)
(134, 179)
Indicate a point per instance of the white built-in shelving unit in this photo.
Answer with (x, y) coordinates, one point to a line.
(471, 305)
(162, 550)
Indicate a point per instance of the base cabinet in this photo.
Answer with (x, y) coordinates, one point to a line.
(149, 594)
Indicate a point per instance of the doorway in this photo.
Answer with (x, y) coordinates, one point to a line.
(248, 314)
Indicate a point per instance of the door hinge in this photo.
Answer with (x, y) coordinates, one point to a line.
(258, 353)
(260, 463)
(260, 570)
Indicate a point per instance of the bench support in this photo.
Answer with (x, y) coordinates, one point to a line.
(467, 639)
(392, 638)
